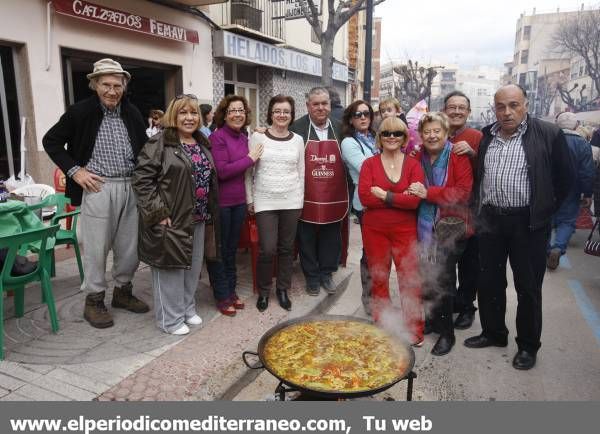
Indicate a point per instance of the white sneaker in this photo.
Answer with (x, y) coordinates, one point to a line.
(194, 320)
(183, 330)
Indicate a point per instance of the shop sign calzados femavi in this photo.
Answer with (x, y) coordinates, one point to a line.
(125, 20)
(294, 8)
(233, 46)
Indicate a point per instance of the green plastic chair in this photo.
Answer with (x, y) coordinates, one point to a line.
(17, 283)
(63, 236)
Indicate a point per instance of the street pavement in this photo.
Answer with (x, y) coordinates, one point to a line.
(134, 360)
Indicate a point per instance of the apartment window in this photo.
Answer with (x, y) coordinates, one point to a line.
(524, 56)
(574, 71)
(526, 33)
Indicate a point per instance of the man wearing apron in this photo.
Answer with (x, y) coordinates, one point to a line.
(325, 194)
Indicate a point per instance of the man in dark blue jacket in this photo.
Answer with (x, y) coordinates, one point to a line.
(565, 218)
(524, 173)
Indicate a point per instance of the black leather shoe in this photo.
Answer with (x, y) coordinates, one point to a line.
(524, 360)
(443, 345)
(283, 299)
(482, 341)
(328, 285)
(262, 303)
(464, 320)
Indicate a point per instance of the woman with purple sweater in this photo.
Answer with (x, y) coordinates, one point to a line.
(232, 158)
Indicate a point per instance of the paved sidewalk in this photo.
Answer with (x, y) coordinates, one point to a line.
(134, 360)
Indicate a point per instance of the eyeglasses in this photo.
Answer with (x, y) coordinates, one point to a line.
(186, 95)
(236, 111)
(358, 115)
(457, 108)
(282, 112)
(108, 87)
(392, 134)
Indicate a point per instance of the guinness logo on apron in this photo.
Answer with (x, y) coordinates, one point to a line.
(325, 186)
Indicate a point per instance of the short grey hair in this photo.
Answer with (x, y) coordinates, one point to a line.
(440, 117)
(94, 81)
(319, 90)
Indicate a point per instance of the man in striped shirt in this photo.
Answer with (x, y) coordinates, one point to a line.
(524, 173)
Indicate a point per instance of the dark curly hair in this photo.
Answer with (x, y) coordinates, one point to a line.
(279, 99)
(347, 127)
(221, 110)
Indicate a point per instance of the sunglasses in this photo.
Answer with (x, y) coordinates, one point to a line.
(358, 115)
(392, 134)
(186, 95)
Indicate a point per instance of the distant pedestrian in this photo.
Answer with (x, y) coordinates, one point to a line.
(207, 126)
(524, 173)
(337, 109)
(154, 122)
(580, 194)
(103, 135)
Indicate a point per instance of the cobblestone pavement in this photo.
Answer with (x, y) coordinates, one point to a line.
(134, 360)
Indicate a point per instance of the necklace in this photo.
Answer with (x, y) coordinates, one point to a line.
(392, 164)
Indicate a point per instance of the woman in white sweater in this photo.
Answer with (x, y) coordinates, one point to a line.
(275, 193)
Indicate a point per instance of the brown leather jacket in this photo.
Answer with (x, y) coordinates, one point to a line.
(164, 186)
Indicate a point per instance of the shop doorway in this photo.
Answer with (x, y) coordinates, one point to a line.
(152, 85)
(10, 128)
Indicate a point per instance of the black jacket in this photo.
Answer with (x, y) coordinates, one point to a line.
(300, 127)
(78, 128)
(549, 166)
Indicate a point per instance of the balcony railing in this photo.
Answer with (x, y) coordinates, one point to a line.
(262, 18)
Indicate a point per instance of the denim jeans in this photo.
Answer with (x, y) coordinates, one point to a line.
(223, 275)
(563, 223)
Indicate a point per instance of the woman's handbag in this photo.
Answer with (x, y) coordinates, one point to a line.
(592, 247)
(450, 229)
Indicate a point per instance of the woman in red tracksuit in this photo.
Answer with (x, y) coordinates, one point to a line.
(389, 226)
(445, 193)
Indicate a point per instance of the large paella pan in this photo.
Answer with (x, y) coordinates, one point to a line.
(333, 356)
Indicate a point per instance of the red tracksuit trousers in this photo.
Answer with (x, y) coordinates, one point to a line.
(382, 245)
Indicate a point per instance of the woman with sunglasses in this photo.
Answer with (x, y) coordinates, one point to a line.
(275, 193)
(176, 187)
(442, 223)
(389, 225)
(232, 158)
(358, 145)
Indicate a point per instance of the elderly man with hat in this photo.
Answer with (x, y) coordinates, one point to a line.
(563, 222)
(103, 135)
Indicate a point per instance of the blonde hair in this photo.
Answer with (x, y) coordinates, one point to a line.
(390, 101)
(169, 120)
(391, 124)
(440, 117)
